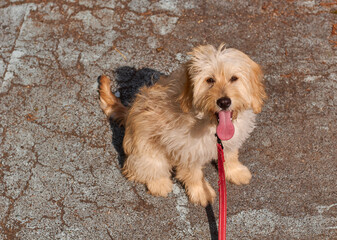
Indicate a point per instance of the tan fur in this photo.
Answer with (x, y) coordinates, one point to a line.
(110, 104)
(259, 93)
(186, 96)
(172, 123)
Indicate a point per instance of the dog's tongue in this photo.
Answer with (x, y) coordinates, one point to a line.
(225, 129)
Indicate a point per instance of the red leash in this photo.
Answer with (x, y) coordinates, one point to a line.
(222, 192)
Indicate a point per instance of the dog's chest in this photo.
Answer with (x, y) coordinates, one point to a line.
(197, 142)
(204, 148)
(187, 146)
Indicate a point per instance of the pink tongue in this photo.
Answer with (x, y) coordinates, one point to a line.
(225, 129)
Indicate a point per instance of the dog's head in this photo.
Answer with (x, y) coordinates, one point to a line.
(222, 79)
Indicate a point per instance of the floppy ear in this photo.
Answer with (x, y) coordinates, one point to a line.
(186, 96)
(199, 57)
(258, 92)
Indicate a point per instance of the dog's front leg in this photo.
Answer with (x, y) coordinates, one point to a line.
(198, 189)
(235, 171)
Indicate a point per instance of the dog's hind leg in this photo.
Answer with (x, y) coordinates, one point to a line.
(153, 170)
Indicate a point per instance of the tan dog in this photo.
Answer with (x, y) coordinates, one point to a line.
(172, 124)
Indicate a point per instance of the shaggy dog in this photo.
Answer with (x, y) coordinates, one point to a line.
(172, 124)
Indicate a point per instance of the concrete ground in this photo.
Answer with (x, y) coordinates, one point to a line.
(60, 169)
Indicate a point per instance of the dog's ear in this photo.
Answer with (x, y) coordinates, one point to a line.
(258, 91)
(199, 57)
(186, 96)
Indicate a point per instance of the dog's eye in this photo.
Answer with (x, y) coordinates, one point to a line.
(233, 78)
(210, 80)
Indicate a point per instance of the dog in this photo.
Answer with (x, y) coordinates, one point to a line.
(171, 125)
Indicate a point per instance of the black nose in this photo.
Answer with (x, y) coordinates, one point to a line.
(224, 102)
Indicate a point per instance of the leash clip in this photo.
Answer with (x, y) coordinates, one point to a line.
(219, 140)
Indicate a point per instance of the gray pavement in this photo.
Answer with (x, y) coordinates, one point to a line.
(60, 169)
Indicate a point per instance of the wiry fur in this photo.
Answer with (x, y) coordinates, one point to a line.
(172, 123)
(110, 104)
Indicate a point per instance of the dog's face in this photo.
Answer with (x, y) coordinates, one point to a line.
(222, 79)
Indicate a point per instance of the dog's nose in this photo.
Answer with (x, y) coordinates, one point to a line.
(224, 102)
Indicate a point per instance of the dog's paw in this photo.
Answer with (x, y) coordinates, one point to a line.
(201, 194)
(238, 174)
(160, 187)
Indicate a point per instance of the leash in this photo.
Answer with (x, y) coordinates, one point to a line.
(222, 191)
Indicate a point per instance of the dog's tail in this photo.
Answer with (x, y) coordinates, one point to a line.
(110, 104)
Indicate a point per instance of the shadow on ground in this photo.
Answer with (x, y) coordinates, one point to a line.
(129, 81)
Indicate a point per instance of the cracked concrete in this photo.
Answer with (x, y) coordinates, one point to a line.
(60, 175)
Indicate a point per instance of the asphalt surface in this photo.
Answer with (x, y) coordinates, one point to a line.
(60, 169)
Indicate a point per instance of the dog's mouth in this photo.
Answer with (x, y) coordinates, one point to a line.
(226, 111)
(225, 129)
